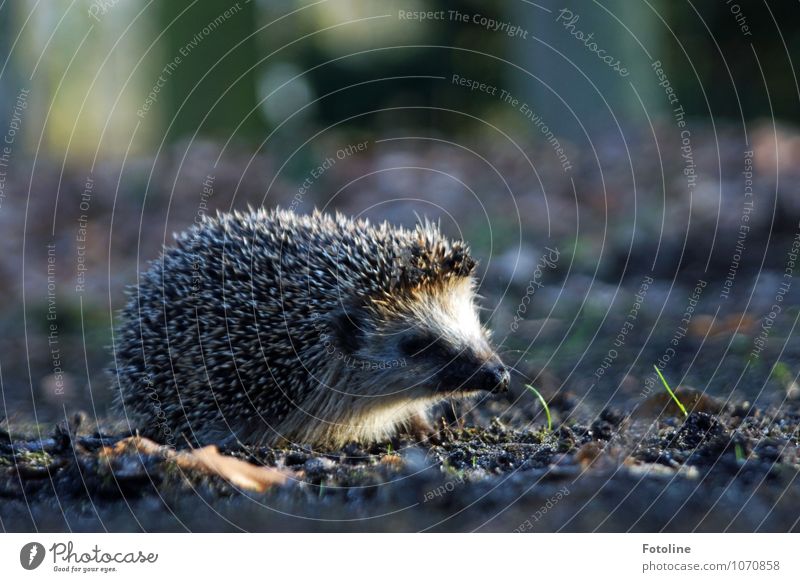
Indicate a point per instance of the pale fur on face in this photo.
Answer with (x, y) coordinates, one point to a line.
(372, 406)
(452, 314)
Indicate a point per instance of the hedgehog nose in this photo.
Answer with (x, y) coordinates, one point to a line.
(496, 378)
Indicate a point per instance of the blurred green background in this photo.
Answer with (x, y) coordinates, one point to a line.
(245, 67)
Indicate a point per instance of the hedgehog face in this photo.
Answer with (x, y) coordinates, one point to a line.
(447, 344)
(428, 344)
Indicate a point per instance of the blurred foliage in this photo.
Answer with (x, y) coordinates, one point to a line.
(213, 90)
(358, 45)
(306, 66)
(721, 70)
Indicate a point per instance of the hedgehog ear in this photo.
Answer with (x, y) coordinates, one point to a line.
(429, 261)
(346, 326)
(459, 262)
(409, 273)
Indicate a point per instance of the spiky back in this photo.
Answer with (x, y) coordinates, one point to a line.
(227, 324)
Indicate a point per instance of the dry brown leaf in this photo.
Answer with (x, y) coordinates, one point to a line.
(587, 453)
(136, 444)
(240, 473)
(705, 325)
(208, 460)
(392, 460)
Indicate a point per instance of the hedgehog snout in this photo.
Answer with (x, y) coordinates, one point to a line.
(495, 377)
(473, 373)
(491, 375)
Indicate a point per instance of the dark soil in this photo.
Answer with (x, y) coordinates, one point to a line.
(735, 469)
(621, 456)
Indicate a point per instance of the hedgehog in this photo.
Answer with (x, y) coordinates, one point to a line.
(272, 327)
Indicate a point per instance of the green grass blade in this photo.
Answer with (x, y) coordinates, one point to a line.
(671, 393)
(544, 404)
(739, 451)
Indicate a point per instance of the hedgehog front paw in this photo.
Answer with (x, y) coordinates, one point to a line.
(422, 431)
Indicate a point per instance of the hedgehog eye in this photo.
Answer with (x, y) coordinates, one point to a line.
(346, 331)
(420, 344)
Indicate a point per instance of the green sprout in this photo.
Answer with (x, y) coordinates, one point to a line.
(671, 393)
(782, 373)
(544, 404)
(739, 453)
